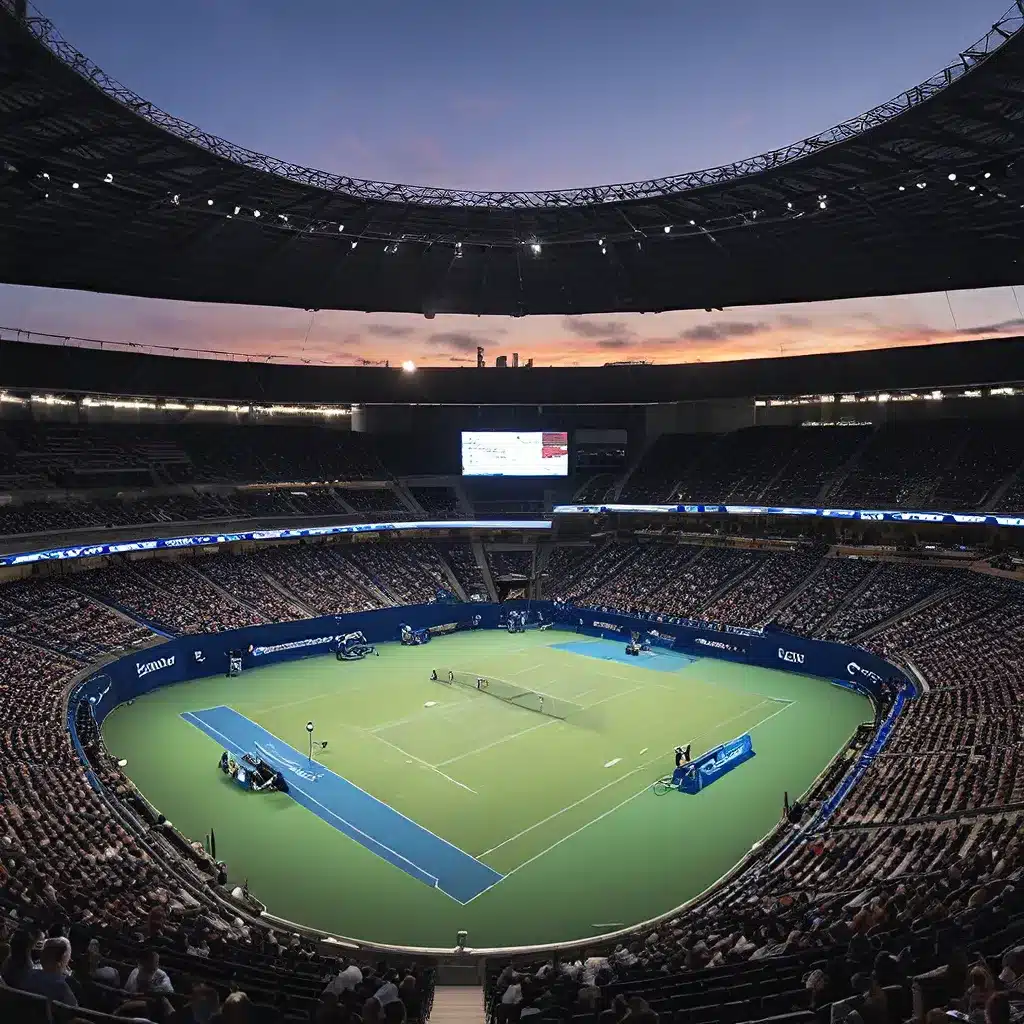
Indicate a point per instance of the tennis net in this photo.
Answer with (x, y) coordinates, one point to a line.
(511, 693)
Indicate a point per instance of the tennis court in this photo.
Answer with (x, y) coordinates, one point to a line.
(439, 806)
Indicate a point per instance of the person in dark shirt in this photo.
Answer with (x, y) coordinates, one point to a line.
(52, 980)
(19, 961)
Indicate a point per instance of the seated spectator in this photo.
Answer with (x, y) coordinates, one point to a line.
(237, 1009)
(346, 980)
(51, 980)
(147, 978)
(18, 963)
(202, 1007)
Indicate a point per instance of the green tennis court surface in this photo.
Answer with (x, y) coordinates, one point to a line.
(561, 807)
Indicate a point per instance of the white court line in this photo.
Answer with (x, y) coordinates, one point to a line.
(303, 700)
(576, 696)
(614, 696)
(454, 706)
(532, 668)
(605, 814)
(495, 743)
(607, 785)
(231, 743)
(426, 764)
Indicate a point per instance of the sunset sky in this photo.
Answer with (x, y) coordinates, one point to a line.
(519, 95)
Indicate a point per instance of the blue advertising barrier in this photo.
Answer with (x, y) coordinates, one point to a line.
(193, 657)
(712, 765)
(848, 666)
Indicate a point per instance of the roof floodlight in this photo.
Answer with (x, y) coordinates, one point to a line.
(108, 179)
(354, 244)
(256, 213)
(952, 176)
(74, 184)
(238, 210)
(667, 229)
(822, 205)
(693, 223)
(209, 202)
(922, 184)
(987, 174)
(903, 188)
(535, 248)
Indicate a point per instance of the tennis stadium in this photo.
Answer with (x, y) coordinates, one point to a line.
(516, 803)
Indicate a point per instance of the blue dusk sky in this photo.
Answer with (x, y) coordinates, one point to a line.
(518, 95)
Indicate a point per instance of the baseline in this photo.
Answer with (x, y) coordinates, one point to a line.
(375, 825)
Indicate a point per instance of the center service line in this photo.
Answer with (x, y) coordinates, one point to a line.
(504, 739)
(426, 764)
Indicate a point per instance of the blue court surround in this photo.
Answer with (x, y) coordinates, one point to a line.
(615, 650)
(342, 804)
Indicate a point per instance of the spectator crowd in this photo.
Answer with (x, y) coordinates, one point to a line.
(909, 900)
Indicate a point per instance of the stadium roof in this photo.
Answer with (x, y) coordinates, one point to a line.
(28, 366)
(105, 192)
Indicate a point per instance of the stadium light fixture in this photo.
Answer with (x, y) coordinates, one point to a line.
(903, 188)
(108, 179)
(238, 210)
(46, 175)
(354, 244)
(822, 204)
(693, 223)
(256, 213)
(952, 176)
(341, 227)
(535, 248)
(922, 184)
(408, 366)
(209, 202)
(668, 227)
(789, 206)
(74, 184)
(987, 175)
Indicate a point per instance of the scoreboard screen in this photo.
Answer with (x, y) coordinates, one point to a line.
(515, 453)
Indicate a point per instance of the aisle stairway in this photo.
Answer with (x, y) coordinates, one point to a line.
(458, 1004)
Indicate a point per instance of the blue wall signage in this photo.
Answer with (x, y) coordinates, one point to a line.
(860, 514)
(204, 539)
